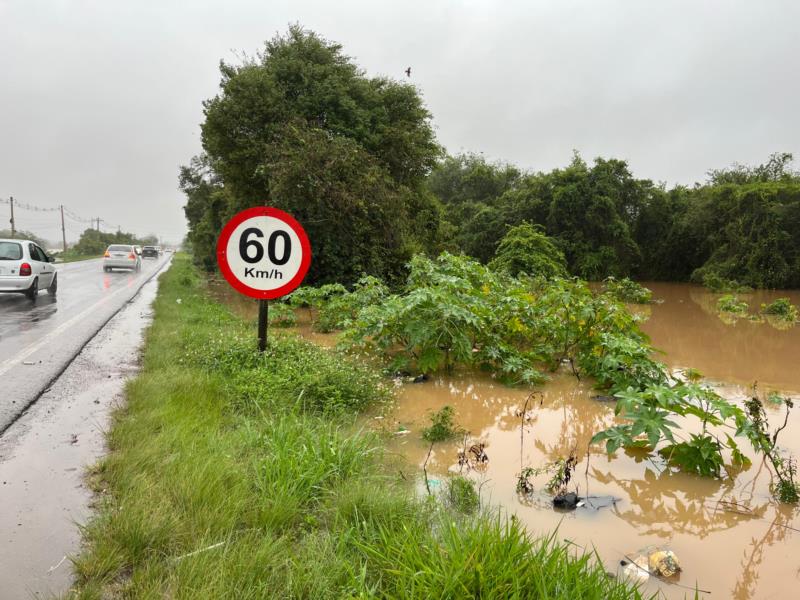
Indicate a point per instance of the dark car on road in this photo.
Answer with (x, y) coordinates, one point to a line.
(149, 252)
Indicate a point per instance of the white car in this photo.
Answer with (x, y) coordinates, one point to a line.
(121, 256)
(25, 268)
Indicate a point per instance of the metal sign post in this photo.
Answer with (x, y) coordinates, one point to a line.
(263, 324)
(263, 253)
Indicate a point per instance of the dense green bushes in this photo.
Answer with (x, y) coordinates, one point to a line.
(741, 225)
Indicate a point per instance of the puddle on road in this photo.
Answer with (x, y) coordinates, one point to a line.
(729, 554)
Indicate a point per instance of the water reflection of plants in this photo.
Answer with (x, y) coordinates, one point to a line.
(777, 531)
(661, 504)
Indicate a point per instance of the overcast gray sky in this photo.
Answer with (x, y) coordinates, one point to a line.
(100, 101)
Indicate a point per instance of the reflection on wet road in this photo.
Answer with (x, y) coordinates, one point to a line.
(38, 338)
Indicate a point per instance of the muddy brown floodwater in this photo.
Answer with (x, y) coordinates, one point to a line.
(752, 552)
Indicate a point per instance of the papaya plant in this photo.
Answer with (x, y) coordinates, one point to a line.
(315, 298)
(340, 309)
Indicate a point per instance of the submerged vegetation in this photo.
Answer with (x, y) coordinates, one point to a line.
(236, 474)
(766, 442)
(628, 291)
(461, 494)
(731, 304)
(781, 308)
(442, 427)
(717, 284)
(453, 311)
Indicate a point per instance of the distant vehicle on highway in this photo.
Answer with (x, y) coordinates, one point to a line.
(149, 252)
(160, 251)
(25, 268)
(121, 256)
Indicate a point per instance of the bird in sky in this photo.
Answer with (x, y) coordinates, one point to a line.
(408, 71)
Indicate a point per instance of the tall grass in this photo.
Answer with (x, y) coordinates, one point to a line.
(236, 475)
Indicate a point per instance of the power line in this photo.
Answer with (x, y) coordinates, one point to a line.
(26, 206)
(96, 223)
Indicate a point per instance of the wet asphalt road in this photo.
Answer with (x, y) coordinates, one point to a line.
(38, 339)
(44, 454)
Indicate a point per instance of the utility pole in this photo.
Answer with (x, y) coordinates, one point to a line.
(63, 232)
(12, 218)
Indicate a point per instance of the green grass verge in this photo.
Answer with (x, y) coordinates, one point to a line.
(235, 475)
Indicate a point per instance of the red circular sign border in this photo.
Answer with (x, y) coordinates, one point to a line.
(227, 232)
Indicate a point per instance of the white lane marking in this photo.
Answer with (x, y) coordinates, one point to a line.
(26, 352)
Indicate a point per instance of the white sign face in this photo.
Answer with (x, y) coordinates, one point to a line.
(263, 253)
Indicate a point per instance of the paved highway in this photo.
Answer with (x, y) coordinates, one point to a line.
(39, 339)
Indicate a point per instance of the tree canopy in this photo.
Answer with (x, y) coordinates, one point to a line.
(302, 128)
(93, 242)
(525, 249)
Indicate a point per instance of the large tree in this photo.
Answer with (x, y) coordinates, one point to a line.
(301, 127)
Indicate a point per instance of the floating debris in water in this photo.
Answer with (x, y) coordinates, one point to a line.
(479, 452)
(568, 501)
(636, 570)
(603, 398)
(664, 563)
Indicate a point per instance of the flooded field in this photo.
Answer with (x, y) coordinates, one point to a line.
(732, 538)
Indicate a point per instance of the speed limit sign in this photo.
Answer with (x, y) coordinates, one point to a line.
(263, 252)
